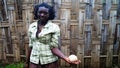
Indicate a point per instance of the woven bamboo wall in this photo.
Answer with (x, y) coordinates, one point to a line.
(90, 29)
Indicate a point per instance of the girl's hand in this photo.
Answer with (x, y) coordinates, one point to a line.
(72, 62)
(76, 62)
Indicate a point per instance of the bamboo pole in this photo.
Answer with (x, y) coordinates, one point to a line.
(4, 46)
(5, 8)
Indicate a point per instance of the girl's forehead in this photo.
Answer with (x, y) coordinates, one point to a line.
(43, 9)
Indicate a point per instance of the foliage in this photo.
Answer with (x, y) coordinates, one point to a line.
(13, 65)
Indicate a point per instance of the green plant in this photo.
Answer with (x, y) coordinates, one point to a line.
(15, 65)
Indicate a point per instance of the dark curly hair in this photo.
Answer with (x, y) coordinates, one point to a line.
(51, 11)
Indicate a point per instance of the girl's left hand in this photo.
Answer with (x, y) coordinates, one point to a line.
(75, 62)
(72, 62)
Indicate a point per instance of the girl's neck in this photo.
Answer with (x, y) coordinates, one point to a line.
(42, 22)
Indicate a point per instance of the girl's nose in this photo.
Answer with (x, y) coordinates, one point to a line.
(42, 14)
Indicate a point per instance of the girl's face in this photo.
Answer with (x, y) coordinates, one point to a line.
(43, 13)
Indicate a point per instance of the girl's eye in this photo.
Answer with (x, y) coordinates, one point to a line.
(43, 12)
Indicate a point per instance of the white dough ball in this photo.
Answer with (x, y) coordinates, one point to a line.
(73, 58)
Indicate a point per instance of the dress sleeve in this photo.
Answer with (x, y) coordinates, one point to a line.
(55, 38)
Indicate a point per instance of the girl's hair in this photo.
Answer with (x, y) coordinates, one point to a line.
(50, 8)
